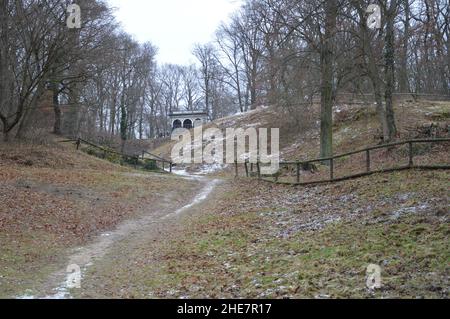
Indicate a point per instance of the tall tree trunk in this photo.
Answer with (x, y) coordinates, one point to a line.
(58, 114)
(390, 70)
(403, 72)
(5, 133)
(6, 74)
(253, 87)
(54, 87)
(238, 83)
(326, 61)
(141, 121)
(123, 121)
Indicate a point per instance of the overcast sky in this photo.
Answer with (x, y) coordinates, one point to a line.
(174, 26)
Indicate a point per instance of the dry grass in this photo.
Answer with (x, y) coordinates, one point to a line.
(285, 242)
(54, 198)
(53, 154)
(355, 127)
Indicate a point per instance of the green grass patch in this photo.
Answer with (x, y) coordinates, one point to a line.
(25, 263)
(414, 257)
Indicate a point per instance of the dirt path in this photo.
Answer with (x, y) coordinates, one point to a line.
(127, 235)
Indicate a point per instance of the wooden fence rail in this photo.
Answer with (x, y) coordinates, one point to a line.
(331, 161)
(158, 159)
(134, 159)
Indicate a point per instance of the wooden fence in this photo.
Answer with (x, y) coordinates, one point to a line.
(164, 163)
(133, 160)
(330, 163)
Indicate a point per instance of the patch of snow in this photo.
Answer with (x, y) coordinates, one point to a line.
(409, 210)
(181, 172)
(253, 125)
(211, 168)
(207, 190)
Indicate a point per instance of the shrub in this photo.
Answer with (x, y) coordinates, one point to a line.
(150, 165)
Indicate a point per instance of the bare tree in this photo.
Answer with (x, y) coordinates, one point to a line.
(390, 11)
(207, 58)
(326, 62)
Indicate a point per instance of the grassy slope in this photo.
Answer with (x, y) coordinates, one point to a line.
(276, 241)
(54, 198)
(356, 126)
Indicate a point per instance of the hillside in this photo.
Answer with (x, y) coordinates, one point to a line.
(54, 199)
(259, 240)
(355, 127)
(255, 240)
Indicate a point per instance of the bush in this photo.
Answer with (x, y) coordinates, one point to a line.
(91, 151)
(150, 165)
(113, 158)
(130, 161)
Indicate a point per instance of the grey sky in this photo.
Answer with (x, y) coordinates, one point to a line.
(174, 26)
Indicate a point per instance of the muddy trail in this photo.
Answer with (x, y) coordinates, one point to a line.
(154, 223)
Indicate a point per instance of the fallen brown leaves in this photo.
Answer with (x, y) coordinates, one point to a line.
(47, 208)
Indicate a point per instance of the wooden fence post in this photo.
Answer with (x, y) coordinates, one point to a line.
(368, 161)
(332, 169)
(411, 154)
(258, 167)
(298, 172)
